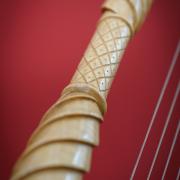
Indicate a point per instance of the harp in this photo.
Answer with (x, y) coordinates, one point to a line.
(61, 146)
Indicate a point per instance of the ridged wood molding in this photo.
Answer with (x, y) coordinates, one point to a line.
(61, 146)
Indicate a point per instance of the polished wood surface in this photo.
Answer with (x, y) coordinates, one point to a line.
(61, 146)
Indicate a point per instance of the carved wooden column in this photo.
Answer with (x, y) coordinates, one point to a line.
(61, 146)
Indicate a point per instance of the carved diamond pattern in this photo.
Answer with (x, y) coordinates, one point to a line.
(101, 59)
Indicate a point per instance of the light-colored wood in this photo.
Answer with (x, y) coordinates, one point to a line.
(61, 146)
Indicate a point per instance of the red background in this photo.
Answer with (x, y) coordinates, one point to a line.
(43, 41)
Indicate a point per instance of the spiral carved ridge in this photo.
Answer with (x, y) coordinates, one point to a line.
(64, 139)
(61, 146)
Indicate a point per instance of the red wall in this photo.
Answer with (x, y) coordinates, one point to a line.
(43, 41)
